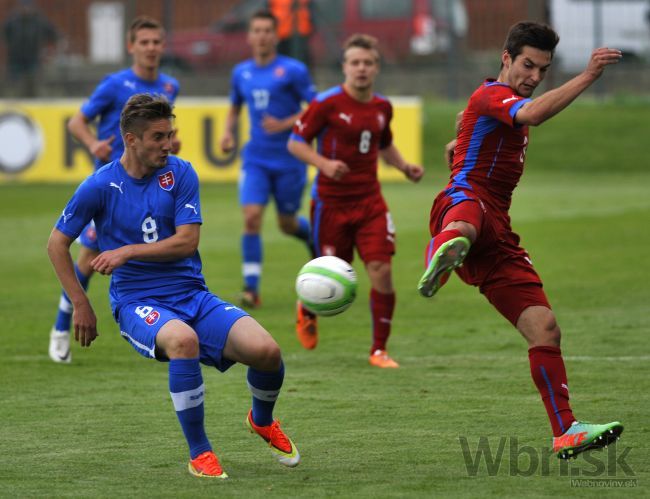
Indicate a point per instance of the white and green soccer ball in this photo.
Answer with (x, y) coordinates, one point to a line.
(326, 285)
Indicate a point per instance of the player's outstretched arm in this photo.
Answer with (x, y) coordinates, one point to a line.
(393, 157)
(83, 317)
(552, 102)
(332, 168)
(79, 127)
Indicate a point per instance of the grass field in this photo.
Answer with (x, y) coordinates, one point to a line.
(104, 426)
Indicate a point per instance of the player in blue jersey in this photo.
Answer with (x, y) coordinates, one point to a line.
(273, 87)
(145, 41)
(147, 215)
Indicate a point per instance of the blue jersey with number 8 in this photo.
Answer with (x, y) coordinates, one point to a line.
(126, 211)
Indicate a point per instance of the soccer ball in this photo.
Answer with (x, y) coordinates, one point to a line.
(327, 285)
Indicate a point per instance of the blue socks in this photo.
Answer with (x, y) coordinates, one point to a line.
(64, 316)
(265, 387)
(251, 246)
(187, 391)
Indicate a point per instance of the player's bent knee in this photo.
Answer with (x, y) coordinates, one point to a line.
(288, 223)
(178, 343)
(272, 357)
(539, 326)
(268, 357)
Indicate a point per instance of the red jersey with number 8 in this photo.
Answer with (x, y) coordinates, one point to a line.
(350, 131)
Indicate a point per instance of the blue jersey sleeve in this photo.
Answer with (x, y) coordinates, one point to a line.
(188, 208)
(302, 84)
(100, 100)
(81, 209)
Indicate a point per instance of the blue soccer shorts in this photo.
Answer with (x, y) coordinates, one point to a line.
(209, 316)
(88, 237)
(257, 183)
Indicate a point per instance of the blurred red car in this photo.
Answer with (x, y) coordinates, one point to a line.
(406, 29)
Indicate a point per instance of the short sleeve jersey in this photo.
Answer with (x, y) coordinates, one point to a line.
(110, 96)
(351, 131)
(490, 148)
(126, 211)
(276, 89)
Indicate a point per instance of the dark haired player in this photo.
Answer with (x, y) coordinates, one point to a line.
(470, 223)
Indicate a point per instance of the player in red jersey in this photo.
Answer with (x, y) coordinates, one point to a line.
(352, 124)
(470, 223)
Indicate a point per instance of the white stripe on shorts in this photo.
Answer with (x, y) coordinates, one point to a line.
(150, 351)
(188, 399)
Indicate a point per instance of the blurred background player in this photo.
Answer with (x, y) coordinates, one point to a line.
(145, 43)
(295, 27)
(149, 232)
(273, 87)
(26, 32)
(348, 211)
(470, 223)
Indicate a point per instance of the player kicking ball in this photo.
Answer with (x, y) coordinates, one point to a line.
(148, 235)
(470, 223)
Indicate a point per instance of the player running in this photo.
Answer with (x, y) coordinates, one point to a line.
(273, 87)
(145, 43)
(148, 235)
(470, 223)
(348, 211)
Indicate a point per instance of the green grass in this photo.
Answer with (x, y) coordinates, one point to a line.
(104, 426)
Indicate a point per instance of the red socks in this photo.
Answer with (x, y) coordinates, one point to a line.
(381, 308)
(549, 375)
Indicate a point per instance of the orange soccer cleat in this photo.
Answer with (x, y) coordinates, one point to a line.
(380, 358)
(206, 465)
(280, 444)
(306, 327)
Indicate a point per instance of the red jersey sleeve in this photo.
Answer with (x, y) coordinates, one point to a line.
(500, 102)
(312, 121)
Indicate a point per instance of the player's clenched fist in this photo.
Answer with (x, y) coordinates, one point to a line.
(334, 168)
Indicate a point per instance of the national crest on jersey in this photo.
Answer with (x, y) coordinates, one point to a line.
(166, 180)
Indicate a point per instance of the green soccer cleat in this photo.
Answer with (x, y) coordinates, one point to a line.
(583, 436)
(449, 256)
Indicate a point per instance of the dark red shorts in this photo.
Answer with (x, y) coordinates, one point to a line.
(496, 263)
(366, 225)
